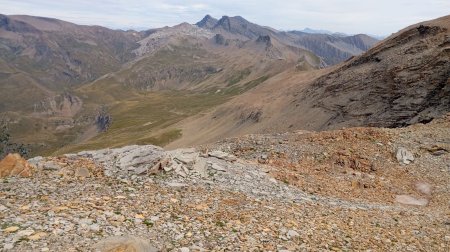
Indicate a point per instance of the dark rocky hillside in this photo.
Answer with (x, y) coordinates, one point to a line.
(403, 81)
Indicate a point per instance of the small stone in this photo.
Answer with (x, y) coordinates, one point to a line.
(51, 166)
(184, 249)
(8, 246)
(82, 172)
(217, 167)
(85, 221)
(179, 237)
(37, 236)
(356, 184)
(141, 170)
(26, 232)
(404, 156)
(35, 161)
(424, 188)
(94, 227)
(438, 150)
(292, 234)
(139, 216)
(45, 249)
(409, 200)
(168, 168)
(222, 155)
(11, 229)
(176, 184)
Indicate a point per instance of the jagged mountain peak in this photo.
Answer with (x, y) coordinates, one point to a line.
(233, 20)
(240, 28)
(208, 22)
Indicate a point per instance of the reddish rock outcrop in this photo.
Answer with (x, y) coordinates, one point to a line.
(15, 165)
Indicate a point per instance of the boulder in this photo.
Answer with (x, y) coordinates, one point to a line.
(129, 160)
(15, 165)
(186, 157)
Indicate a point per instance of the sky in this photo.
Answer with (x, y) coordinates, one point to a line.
(376, 17)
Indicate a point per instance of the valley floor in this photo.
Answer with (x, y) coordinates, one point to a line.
(303, 191)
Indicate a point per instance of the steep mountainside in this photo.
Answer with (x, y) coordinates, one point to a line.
(46, 56)
(402, 81)
(37, 45)
(333, 48)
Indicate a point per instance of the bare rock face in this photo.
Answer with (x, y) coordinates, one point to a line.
(402, 81)
(124, 244)
(15, 165)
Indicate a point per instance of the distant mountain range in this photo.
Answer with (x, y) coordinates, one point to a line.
(313, 31)
(331, 47)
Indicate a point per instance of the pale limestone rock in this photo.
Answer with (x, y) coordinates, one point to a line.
(423, 187)
(409, 200)
(404, 156)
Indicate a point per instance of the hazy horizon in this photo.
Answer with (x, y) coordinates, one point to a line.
(380, 18)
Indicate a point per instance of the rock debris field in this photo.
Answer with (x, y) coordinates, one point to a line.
(352, 189)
